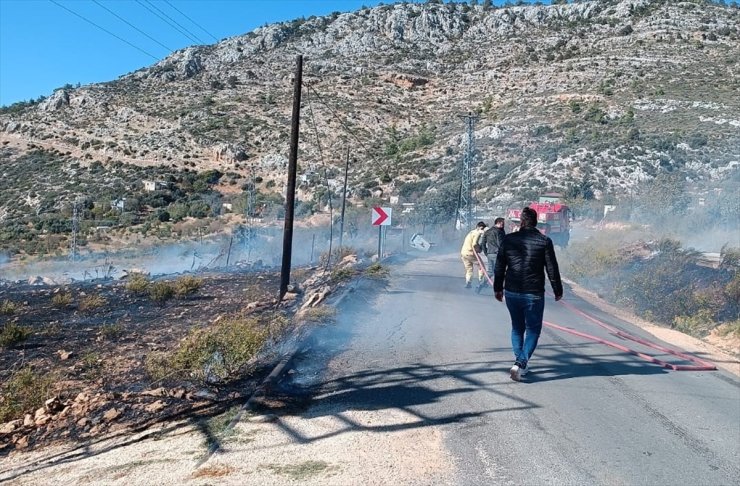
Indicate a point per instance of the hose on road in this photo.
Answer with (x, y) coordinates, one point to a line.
(700, 365)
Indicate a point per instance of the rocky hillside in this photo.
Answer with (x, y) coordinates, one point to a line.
(591, 98)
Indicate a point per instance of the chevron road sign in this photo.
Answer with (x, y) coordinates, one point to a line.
(381, 216)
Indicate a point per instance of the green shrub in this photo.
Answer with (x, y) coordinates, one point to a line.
(161, 291)
(342, 274)
(187, 285)
(137, 283)
(376, 270)
(92, 302)
(698, 325)
(221, 350)
(12, 334)
(730, 329)
(24, 392)
(8, 307)
(61, 300)
(111, 331)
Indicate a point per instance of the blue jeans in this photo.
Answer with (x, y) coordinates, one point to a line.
(526, 311)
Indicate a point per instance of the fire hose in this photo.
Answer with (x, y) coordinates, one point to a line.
(700, 365)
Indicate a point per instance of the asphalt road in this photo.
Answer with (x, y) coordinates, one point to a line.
(424, 348)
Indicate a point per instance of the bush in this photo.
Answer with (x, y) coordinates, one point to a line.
(111, 331)
(92, 302)
(376, 270)
(25, 391)
(187, 285)
(698, 325)
(12, 334)
(161, 291)
(61, 300)
(8, 307)
(218, 352)
(730, 329)
(137, 283)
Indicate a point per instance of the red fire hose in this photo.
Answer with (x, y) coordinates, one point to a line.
(701, 365)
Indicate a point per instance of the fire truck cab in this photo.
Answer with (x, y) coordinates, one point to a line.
(553, 218)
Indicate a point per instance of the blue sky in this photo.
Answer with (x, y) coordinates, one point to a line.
(45, 44)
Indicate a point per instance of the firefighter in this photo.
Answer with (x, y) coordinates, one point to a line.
(467, 253)
(490, 241)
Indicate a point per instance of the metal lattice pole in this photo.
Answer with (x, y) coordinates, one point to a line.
(465, 211)
(75, 230)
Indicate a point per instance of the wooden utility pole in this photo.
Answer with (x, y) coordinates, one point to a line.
(344, 200)
(290, 192)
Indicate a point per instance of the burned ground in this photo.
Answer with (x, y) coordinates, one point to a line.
(84, 349)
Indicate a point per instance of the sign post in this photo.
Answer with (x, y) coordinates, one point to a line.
(381, 217)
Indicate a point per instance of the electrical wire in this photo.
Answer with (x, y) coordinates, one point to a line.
(184, 30)
(130, 24)
(191, 20)
(326, 178)
(344, 125)
(165, 20)
(104, 29)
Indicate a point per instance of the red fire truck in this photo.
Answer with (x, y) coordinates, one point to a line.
(553, 218)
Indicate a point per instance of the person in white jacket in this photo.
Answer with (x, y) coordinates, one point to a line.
(467, 253)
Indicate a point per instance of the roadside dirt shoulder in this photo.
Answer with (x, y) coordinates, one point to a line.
(722, 358)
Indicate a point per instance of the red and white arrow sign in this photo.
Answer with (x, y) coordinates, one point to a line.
(381, 216)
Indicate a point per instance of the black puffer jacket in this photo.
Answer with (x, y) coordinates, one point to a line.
(522, 261)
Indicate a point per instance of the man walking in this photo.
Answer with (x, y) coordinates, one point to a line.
(467, 253)
(490, 242)
(519, 274)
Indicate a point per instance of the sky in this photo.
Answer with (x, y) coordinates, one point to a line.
(45, 44)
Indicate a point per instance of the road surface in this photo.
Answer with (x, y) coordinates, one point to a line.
(410, 386)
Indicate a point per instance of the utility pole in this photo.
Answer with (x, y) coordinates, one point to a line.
(75, 230)
(250, 220)
(465, 210)
(290, 191)
(344, 200)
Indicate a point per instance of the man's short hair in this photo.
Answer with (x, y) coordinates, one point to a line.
(529, 218)
(498, 220)
(480, 224)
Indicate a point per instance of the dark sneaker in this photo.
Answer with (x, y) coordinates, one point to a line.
(467, 285)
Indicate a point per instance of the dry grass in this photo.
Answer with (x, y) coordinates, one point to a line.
(302, 470)
(318, 314)
(213, 471)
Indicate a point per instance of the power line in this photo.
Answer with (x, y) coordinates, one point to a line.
(341, 122)
(191, 20)
(326, 180)
(104, 30)
(129, 24)
(164, 18)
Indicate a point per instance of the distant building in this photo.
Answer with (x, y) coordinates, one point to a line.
(151, 186)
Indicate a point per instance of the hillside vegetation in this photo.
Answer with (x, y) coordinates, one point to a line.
(595, 99)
